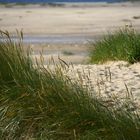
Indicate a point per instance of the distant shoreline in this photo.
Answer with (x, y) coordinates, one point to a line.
(60, 3)
(70, 4)
(76, 20)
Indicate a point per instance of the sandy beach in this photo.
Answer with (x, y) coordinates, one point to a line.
(70, 53)
(88, 20)
(118, 80)
(68, 25)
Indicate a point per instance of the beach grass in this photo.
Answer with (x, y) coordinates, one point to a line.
(119, 45)
(67, 53)
(43, 103)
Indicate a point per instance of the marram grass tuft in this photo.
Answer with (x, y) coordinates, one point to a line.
(120, 45)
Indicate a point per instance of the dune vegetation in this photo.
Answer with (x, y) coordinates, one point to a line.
(45, 104)
(119, 45)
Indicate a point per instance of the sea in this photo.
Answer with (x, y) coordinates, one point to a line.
(56, 1)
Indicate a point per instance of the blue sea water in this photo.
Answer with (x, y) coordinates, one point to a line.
(53, 1)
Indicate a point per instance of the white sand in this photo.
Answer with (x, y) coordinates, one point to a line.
(70, 53)
(116, 79)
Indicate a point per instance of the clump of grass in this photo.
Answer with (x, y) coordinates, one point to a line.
(120, 45)
(8, 5)
(41, 103)
(67, 53)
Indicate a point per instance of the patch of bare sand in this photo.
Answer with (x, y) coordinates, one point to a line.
(70, 53)
(114, 79)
